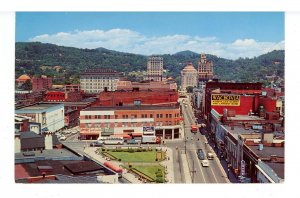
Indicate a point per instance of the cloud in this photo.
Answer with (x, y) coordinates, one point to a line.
(126, 40)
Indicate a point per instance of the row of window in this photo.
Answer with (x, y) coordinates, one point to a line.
(130, 124)
(132, 116)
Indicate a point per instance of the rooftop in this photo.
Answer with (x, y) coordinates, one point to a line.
(268, 151)
(58, 167)
(133, 107)
(277, 167)
(100, 71)
(47, 154)
(39, 106)
(236, 131)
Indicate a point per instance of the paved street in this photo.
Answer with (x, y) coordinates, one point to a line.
(212, 174)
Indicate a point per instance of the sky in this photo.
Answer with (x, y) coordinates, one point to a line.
(224, 34)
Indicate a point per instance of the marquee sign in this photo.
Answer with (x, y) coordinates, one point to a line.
(225, 100)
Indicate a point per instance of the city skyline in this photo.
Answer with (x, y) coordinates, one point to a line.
(227, 35)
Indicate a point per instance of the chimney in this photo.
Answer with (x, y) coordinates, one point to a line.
(17, 143)
(48, 140)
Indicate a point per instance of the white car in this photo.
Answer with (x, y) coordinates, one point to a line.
(62, 138)
(205, 163)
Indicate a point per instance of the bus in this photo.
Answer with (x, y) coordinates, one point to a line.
(112, 140)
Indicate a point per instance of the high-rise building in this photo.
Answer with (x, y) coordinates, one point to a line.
(188, 77)
(97, 80)
(154, 69)
(205, 69)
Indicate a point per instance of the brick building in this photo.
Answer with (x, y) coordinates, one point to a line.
(123, 98)
(100, 121)
(147, 85)
(41, 83)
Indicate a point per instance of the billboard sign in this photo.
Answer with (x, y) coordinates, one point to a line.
(243, 167)
(225, 100)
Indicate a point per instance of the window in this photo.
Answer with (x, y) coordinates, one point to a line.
(97, 125)
(106, 124)
(116, 116)
(97, 116)
(151, 115)
(167, 115)
(106, 116)
(116, 124)
(161, 115)
(133, 116)
(157, 115)
(88, 117)
(124, 124)
(133, 124)
(170, 115)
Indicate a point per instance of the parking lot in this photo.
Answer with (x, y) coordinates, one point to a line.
(70, 134)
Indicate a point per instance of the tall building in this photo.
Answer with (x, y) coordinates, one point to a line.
(97, 80)
(154, 69)
(205, 69)
(188, 77)
(41, 84)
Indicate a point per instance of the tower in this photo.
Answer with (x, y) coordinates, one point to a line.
(205, 69)
(188, 76)
(154, 69)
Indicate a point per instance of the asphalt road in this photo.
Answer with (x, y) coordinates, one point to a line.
(212, 174)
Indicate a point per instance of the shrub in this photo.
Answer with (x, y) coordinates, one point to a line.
(159, 180)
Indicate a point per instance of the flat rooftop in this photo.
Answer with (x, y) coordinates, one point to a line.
(277, 167)
(245, 117)
(133, 107)
(268, 151)
(240, 130)
(40, 106)
(47, 154)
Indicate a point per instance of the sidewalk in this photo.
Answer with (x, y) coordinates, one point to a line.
(168, 163)
(90, 151)
(186, 170)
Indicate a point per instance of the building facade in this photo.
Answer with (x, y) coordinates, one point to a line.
(98, 80)
(124, 98)
(41, 83)
(205, 69)
(103, 121)
(188, 77)
(50, 116)
(154, 69)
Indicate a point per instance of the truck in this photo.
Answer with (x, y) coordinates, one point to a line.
(133, 141)
(150, 139)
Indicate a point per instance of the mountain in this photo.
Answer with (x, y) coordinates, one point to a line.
(30, 56)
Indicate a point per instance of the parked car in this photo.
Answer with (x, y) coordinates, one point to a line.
(205, 163)
(200, 154)
(96, 144)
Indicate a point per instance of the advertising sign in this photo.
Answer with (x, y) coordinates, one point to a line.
(148, 129)
(225, 100)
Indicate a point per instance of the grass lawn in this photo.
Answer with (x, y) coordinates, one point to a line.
(148, 156)
(150, 170)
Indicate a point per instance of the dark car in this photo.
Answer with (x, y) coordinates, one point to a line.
(200, 154)
(96, 144)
